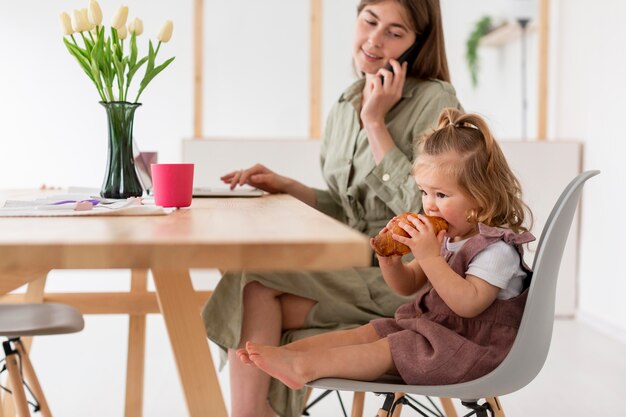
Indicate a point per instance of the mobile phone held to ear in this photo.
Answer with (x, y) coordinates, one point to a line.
(407, 56)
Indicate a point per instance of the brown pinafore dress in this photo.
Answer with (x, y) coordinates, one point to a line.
(431, 345)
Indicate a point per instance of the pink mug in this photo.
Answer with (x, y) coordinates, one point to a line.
(172, 184)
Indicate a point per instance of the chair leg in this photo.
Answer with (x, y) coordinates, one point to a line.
(448, 407)
(13, 369)
(357, 404)
(398, 409)
(33, 381)
(496, 407)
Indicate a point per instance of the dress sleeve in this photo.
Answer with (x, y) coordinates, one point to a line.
(327, 201)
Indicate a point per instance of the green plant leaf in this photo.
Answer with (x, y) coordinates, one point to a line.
(133, 50)
(481, 28)
(150, 75)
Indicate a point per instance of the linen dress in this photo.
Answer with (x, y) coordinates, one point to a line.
(360, 194)
(431, 345)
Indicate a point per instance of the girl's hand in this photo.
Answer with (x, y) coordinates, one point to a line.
(422, 239)
(257, 176)
(393, 260)
(383, 96)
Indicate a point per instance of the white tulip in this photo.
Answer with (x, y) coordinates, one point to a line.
(94, 13)
(120, 17)
(85, 19)
(165, 34)
(136, 26)
(122, 33)
(66, 24)
(78, 23)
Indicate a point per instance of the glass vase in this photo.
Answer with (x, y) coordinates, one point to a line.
(120, 180)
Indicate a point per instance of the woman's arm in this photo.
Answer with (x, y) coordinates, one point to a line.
(302, 192)
(379, 99)
(265, 179)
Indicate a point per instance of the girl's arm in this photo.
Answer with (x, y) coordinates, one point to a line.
(404, 279)
(466, 296)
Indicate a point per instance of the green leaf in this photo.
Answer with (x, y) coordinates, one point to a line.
(150, 75)
(120, 75)
(133, 50)
(133, 70)
(482, 27)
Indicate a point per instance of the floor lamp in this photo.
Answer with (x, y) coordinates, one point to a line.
(523, 22)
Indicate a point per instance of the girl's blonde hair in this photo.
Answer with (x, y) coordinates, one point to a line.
(479, 167)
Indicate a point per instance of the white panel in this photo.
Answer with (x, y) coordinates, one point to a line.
(294, 158)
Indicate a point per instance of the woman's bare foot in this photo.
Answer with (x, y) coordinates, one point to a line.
(277, 362)
(242, 354)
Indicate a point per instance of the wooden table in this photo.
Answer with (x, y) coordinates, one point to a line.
(268, 233)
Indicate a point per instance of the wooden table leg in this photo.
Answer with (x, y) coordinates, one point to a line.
(189, 343)
(136, 349)
(34, 294)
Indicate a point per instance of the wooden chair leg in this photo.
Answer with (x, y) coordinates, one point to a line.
(136, 350)
(32, 380)
(496, 407)
(357, 404)
(398, 410)
(19, 396)
(384, 411)
(448, 407)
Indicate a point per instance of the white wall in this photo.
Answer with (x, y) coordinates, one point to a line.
(53, 131)
(590, 106)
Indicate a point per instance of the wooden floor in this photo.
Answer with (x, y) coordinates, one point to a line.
(584, 375)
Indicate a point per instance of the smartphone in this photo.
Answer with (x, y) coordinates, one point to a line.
(407, 56)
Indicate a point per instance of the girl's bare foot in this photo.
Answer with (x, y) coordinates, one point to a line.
(242, 354)
(277, 362)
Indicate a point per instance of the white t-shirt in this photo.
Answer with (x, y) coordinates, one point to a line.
(498, 264)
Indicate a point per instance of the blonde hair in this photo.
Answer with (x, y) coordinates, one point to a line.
(479, 167)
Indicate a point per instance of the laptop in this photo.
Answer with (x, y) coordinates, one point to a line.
(227, 192)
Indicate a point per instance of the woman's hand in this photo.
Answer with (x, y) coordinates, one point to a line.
(383, 95)
(422, 239)
(257, 176)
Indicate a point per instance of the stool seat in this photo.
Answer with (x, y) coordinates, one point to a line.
(31, 319)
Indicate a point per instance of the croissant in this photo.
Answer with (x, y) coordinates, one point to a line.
(385, 245)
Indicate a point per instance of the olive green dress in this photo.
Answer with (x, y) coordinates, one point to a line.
(360, 194)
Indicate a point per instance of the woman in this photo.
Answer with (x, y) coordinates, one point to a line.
(366, 158)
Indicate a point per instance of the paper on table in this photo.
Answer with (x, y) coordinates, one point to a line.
(45, 207)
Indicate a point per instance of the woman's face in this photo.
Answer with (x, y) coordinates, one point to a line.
(382, 33)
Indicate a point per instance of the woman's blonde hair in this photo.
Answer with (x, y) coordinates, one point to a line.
(479, 167)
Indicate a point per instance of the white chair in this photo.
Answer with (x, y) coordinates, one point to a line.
(530, 349)
(29, 319)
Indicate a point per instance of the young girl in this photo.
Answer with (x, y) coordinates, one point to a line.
(470, 281)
